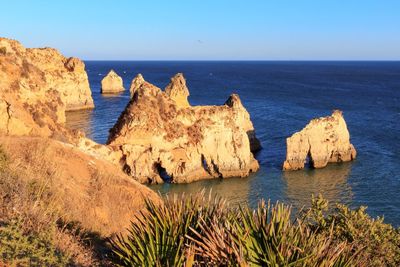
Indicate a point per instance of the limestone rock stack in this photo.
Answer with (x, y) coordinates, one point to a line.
(323, 140)
(136, 83)
(178, 91)
(162, 138)
(112, 83)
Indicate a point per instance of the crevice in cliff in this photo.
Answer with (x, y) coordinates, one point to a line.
(216, 169)
(309, 162)
(162, 172)
(205, 164)
(125, 167)
(211, 170)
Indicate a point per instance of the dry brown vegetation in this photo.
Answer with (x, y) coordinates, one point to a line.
(58, 205)
(32, 231)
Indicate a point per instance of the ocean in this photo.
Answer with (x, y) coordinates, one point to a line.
(282, 97)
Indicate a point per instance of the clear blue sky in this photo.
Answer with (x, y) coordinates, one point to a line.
(208, 29)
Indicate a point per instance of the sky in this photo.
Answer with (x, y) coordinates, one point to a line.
(208, 29)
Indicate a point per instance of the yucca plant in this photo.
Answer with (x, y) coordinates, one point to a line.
(157, 236)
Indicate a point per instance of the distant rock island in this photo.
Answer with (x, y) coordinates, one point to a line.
(112, 83)
(323, 140)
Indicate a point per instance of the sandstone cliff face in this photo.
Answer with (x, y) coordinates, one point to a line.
(162, 138)
(33, 72)
(37, 86)
(136, 83)
(323, 140)
(112, 83)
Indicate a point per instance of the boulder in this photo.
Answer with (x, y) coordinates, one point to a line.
(112, 83)
(323, 140)
(136, 83)
(162, 138)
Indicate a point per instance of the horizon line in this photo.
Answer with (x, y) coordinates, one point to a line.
(253, 60)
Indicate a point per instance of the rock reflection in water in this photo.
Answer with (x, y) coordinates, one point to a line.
(331, 182)
(80, 120)
(234, 190)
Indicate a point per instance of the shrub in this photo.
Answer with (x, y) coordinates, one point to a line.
(29, 249)
(378, 242)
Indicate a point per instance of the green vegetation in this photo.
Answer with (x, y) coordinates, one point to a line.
(201, 231)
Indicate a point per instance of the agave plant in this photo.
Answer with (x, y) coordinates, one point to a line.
(157, 236)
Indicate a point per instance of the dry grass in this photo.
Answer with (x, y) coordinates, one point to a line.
(32, 231)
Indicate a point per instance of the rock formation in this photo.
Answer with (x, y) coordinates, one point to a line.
(31, 73)
(178, 91)
(112, 83)
(162, 138)
(323, 140)
(136, 83)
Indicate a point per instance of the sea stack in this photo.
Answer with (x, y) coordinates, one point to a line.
(323, 140)
(163, 138)
(112, 83)
(177, 90)
(136, 83)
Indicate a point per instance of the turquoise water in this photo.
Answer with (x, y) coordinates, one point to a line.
(281, 98)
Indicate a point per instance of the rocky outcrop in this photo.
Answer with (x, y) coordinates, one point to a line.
(323, 140)
(162, 138)
(136, 83)
(178, 91)
(31, 73)
(112, 83)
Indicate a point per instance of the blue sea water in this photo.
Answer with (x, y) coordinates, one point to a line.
(281, 98)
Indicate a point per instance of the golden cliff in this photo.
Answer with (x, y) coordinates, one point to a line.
(33, 72)
(323, 140)
(162, 137)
